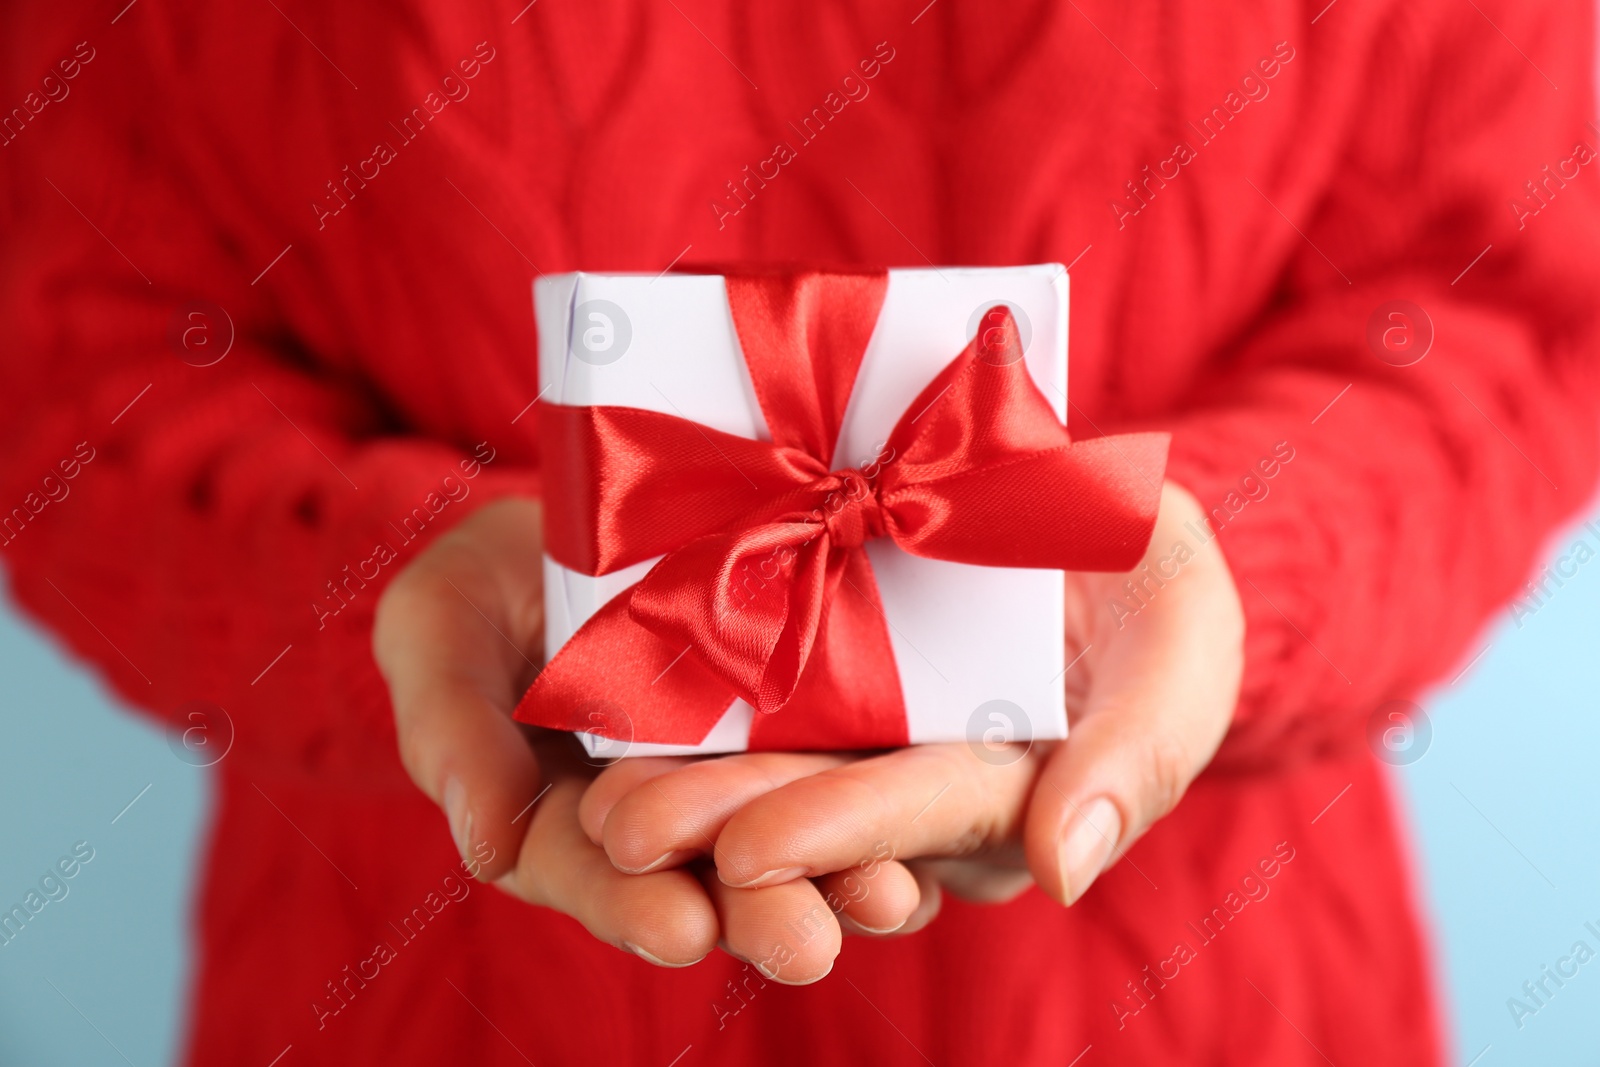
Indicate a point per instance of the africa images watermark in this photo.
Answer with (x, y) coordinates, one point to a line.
(347, 585)
(1140, 590)
(855, 887)
(852, 89)
(1541, 191)
(53, 89)
(1253, 88)
(53, 886)
(1253, 888)
(455, 89)
(351, 980)
(1537, 992)
(1563, 569)
(55, 490)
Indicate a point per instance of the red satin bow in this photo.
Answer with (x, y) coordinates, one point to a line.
(764, 591)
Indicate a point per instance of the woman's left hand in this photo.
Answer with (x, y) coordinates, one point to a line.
(1150, 694)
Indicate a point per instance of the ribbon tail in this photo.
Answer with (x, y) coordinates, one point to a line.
(848, 696)
(617, 679)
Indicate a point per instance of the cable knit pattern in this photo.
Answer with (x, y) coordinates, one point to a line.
(383, 331)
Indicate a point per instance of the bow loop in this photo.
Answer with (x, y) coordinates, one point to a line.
(983, 408)
(746, 604)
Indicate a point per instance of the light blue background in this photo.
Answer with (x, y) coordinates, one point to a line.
(117, 946)
(1506, 802)
(1506, 806)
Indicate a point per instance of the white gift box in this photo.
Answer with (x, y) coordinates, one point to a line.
(980, 650)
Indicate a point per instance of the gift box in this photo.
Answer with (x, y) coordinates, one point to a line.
(809, 510)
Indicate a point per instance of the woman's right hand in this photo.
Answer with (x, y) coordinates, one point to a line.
(458, 636)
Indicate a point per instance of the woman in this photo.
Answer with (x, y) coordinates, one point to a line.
(271, 264)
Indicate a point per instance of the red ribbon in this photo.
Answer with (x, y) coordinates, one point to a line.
(763, 591)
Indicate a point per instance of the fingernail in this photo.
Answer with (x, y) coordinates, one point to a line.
(649, 957)
(647, 868)
(802, 981)
(788, 874)
(1087, 846)
(460, 816)
(876, 931)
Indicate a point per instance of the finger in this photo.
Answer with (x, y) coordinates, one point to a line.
(1118, 773)
(786, 931)
(453, 635)
(669, 817)
(453, 680)
(930, 896)
(615, 782)
(980, 883)
(665, 918)
(928, 800)
(1158, 708)
(461, 747)
(875, 899)
(478, 767)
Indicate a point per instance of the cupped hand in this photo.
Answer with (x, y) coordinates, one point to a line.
(1153, 680)
(457, 637)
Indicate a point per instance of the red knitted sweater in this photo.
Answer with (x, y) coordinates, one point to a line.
(366, 190)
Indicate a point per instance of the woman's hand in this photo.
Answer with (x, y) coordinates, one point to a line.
(1149, 700)
(457, 637)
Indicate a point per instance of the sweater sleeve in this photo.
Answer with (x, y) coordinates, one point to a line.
(216, 533)
(1417, 496)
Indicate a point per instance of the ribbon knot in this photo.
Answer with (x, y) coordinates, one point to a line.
(851, 511)
(748, 599)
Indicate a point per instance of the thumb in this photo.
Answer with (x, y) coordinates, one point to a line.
(470, 758)
(452, 683)
(1160, 698)
(1118, 772)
